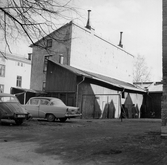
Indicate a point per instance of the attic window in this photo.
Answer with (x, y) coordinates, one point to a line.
(49, 43)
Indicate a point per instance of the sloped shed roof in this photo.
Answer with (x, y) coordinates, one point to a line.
(114, 82)
(152, 87)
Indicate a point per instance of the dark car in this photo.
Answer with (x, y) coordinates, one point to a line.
(10, 108)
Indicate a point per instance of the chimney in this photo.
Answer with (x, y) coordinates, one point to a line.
(29, 56)
(88, 22)
(120, 42)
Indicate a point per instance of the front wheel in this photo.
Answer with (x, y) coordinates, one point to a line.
(19, 121)
(50, 117)
(63, 119)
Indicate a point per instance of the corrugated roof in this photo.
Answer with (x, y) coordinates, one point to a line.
(155, 87)
(152, 87)
(102, 78)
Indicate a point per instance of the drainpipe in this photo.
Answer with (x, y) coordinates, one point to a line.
(24, 97)
(83, 79)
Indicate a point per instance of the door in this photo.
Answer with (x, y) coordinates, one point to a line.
(33, 107)
(44, 107)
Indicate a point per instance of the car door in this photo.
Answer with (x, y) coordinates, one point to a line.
(33, 107)
(43, 107)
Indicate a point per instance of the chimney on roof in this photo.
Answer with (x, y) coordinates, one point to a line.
(120, 42)
(88, 21)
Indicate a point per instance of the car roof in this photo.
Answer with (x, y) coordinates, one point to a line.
(45, 98)
(5, 94)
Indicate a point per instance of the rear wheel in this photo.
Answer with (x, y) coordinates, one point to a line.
(19, 121)
(63, 119)
(50, 117)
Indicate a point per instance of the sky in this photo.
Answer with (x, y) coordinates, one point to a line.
(139, 20)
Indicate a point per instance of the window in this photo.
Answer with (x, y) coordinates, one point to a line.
(44, 85)
(2, 70)
(8, 99)
(46, 58)
(18, 81)
(44, 102)
(57, 102)
(45, 64)
(1, 88)
(49, 43)
(34, 101)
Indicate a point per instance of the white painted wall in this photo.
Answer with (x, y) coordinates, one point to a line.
(91, 53)
(12, 70)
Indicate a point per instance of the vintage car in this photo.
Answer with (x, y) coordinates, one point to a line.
(10, 108)
(50, 108)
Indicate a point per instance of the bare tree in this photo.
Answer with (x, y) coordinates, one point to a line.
(32, 19)
(141, 71)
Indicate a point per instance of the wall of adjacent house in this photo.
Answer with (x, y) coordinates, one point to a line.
(92, 53)
(60, 47)
(96, 101)
(15, 67)
(60, 79)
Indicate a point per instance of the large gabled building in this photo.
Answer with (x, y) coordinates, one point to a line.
(83, 69)
(81, 48)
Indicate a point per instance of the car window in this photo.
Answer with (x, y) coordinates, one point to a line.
(57, 102)
(44, 101)
(34, 102)
(8, 99)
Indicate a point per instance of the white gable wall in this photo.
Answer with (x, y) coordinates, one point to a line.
(89, 52)
(12, 70)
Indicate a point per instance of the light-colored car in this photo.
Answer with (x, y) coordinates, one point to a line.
(50, 108)
(10, 108)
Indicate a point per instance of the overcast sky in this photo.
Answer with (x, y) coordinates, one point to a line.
(139, 20)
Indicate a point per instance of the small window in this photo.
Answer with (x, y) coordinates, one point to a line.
(46, 58)
(45, 65)
(2, 70)
(49, 43)
(1, 88)
(44, 85)
(19, 81)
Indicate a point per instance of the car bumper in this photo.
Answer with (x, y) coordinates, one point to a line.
(73, 115)
(15, 116)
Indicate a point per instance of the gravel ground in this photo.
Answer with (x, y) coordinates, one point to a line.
(83, 142)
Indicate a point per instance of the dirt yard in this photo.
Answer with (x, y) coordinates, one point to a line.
(83, 142)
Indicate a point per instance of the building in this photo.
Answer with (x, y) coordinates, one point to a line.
(98, 96)
(81, 48)
(79, 67)
(15, 71)
(152, 99)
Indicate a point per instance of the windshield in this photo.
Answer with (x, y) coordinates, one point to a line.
(8, 99)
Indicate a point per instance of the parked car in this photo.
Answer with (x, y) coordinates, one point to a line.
(10, 108)
(50, 108)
